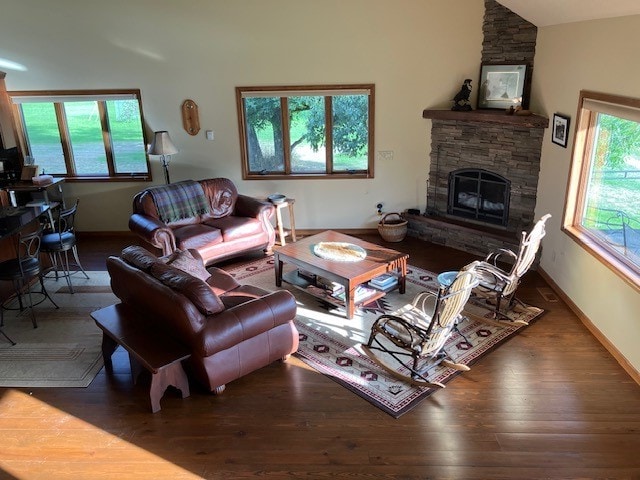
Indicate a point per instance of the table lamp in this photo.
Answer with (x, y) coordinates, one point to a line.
(162, 146)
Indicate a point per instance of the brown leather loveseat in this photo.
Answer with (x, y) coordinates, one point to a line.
(206, 215)
(230, 329)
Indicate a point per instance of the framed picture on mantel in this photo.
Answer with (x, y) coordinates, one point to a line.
(503, 86)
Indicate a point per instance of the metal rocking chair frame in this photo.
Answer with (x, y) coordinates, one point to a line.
(420, 332)
(500, 285)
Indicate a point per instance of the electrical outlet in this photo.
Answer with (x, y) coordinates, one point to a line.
(385, 155)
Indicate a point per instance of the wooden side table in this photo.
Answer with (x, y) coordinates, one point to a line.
(282, 231)
(148, 348)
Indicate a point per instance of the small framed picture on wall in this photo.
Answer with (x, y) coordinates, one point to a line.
(560, 130)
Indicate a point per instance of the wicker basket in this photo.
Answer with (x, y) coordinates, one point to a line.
(392, 230)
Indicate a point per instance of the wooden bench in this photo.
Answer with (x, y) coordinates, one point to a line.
(148, 348)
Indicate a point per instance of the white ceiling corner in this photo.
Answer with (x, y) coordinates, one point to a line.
(543, 13)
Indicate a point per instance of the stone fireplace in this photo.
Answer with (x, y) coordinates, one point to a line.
(483, 179)
(484, 164)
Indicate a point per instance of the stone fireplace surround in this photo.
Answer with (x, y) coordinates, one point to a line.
(506, 145)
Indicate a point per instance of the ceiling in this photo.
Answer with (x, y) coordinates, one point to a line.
(554, 12)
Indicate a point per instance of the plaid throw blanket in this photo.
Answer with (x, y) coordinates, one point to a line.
(179, 200)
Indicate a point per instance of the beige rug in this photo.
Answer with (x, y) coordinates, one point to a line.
(65, 349)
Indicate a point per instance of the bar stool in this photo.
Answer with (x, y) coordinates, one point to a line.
(60, 241)
(21, 270)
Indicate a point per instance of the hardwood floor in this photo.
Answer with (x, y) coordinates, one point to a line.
(550, 403)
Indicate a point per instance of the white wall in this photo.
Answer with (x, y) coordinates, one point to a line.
(602, 56)
(416, 52)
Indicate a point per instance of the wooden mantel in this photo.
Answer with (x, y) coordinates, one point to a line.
(488, 116)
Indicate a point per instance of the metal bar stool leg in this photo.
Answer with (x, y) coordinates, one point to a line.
(46, 293)
(67, 271)
(53, 257)
(77, 259)
(17, 286)
(33, 315)
(7, 337)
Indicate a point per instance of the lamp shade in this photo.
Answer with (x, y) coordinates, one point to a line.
(162, 144)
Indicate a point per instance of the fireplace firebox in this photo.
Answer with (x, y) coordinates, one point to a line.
(479, 195)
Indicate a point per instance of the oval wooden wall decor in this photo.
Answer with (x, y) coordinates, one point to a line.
(190, 120)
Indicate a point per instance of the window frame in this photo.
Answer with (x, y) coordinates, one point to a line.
(577, 187)
(70, 162)
(303, 90)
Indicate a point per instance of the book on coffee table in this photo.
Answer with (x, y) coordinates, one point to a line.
(361, 294)
(310, 277)
(332, 287)
(384, 281)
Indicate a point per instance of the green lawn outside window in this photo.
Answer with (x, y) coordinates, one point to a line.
(96, 135)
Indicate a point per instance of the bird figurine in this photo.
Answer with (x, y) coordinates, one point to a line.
(461, 100)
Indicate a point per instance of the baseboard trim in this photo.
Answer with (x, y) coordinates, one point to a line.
(611, 348)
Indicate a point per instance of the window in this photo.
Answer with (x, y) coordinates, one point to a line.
(78, 135)
(306, 132)
(602, 211)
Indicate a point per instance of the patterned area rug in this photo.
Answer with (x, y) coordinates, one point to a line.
(330, 343)
(65, 349)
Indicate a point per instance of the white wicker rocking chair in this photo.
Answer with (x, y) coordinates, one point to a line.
(420, 332)
(498, 285)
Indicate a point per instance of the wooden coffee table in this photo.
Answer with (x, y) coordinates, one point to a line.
(350, 275)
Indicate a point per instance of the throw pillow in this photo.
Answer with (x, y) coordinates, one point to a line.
(138, 257)
(221, 282)
(196, 290)
(185, 261)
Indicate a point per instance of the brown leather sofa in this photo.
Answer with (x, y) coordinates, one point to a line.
(230, 329)
(229, 224)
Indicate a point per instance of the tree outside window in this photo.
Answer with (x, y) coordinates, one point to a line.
(306, 131)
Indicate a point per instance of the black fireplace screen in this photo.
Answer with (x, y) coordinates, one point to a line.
(479, 195)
